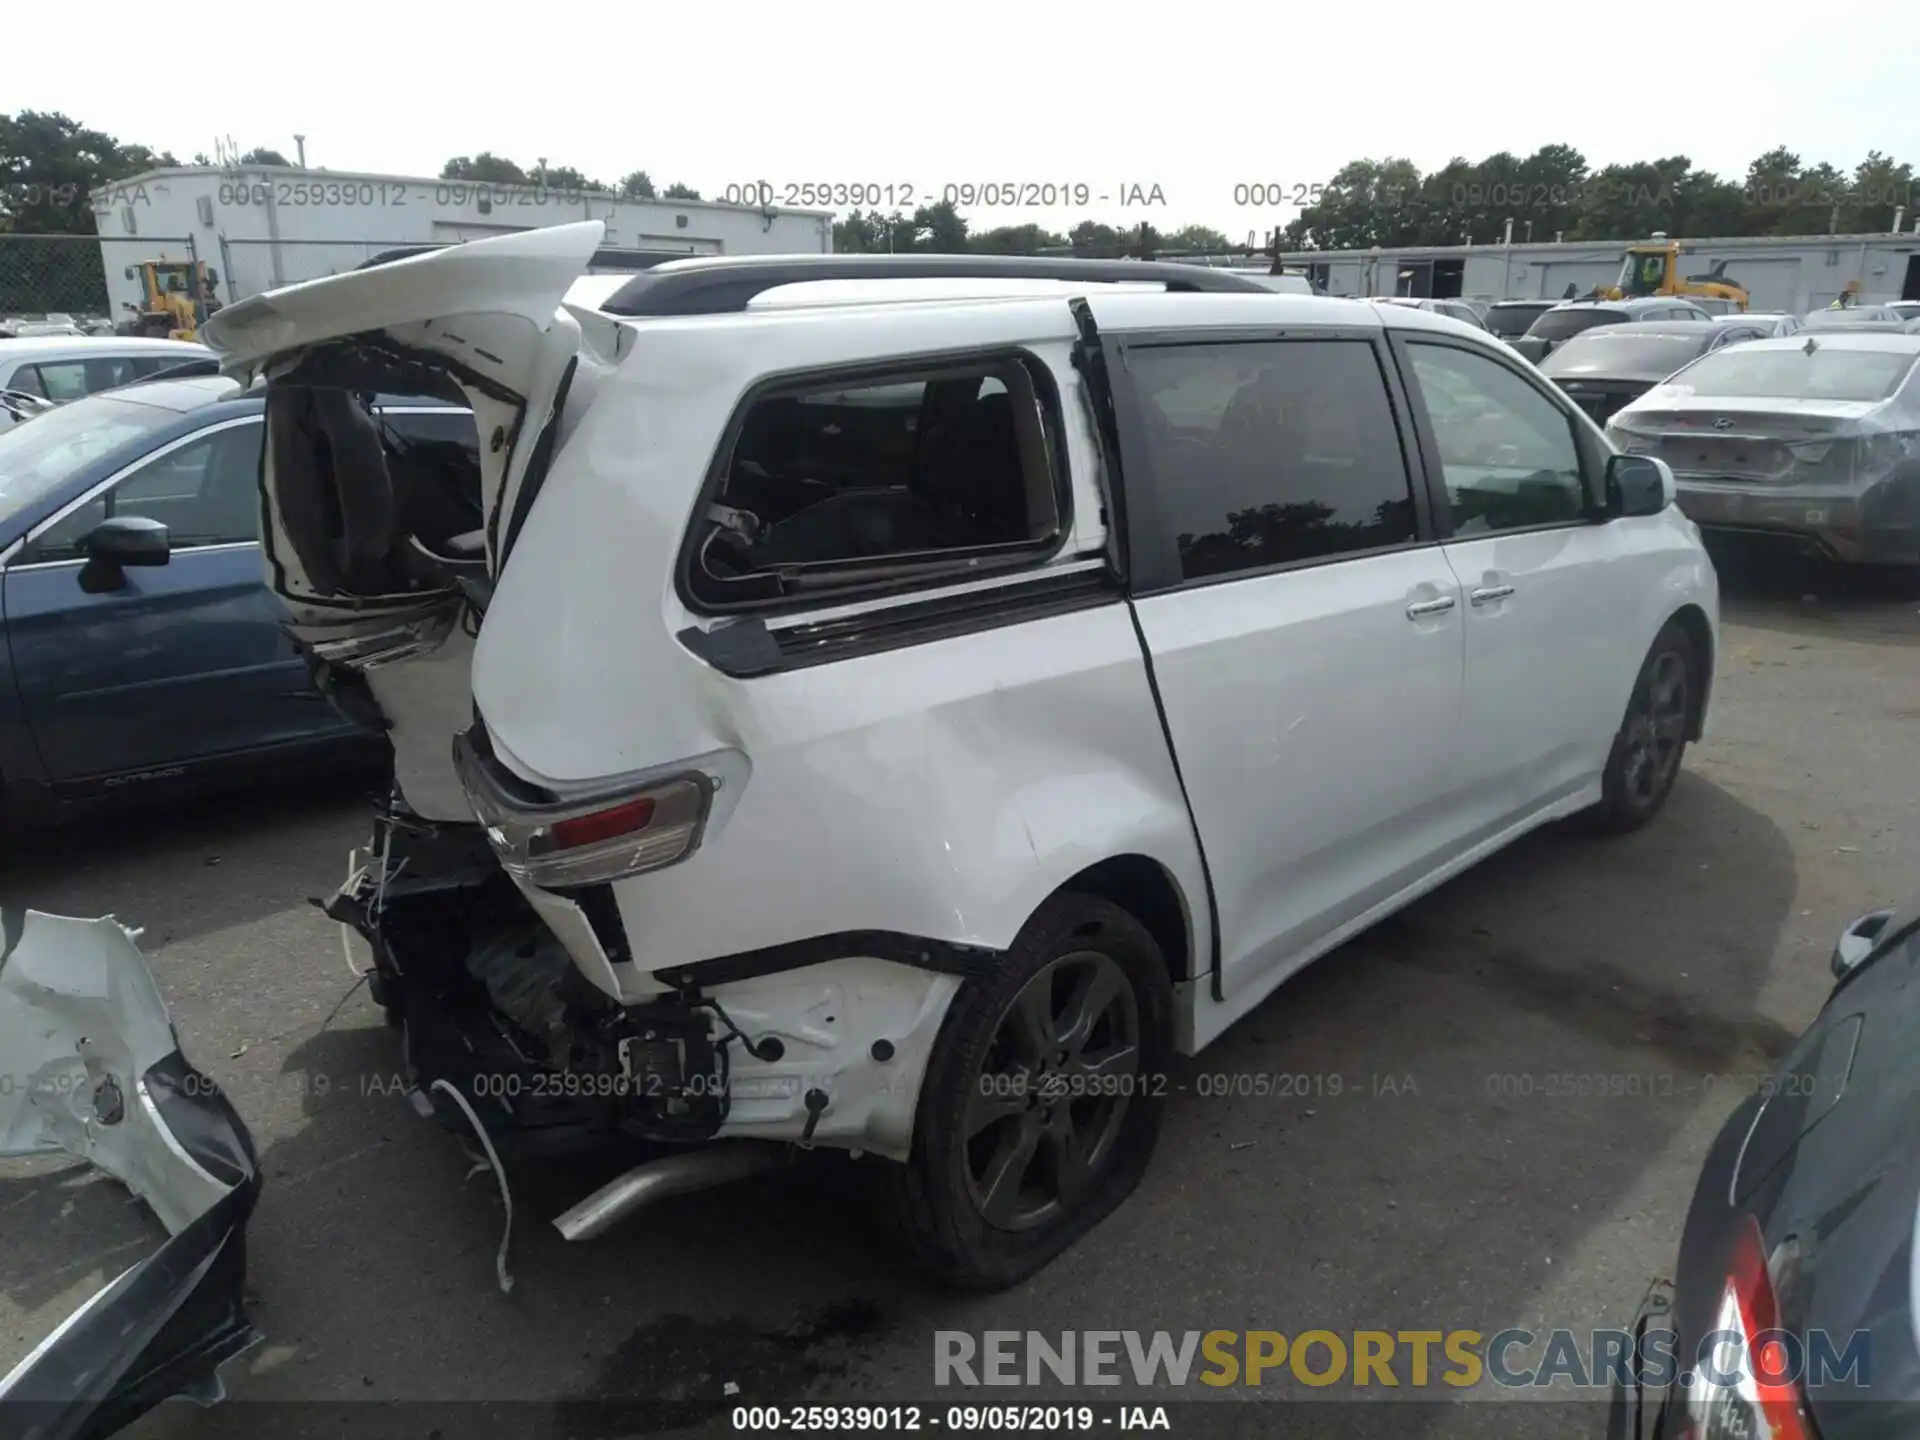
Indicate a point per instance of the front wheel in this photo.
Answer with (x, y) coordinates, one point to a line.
(1645, 759)
(1043, 1098)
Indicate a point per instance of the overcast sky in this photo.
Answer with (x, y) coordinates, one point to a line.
(1192, 98)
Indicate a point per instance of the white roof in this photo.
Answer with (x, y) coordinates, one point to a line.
(94, 347)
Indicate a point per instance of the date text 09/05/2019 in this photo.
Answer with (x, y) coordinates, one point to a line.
(953, 1419)
(971, 194)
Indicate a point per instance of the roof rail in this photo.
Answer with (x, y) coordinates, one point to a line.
(610, 257)
(725, 286)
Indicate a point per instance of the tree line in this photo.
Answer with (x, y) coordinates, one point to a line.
(50, 164)
(1552, 194)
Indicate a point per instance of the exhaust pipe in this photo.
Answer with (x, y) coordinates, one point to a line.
(670, 1175)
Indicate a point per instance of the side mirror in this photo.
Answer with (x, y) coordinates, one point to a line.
(1638, 485)
(115, 544)
(1857, 942)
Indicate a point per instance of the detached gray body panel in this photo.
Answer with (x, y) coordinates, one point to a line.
(92, 1069)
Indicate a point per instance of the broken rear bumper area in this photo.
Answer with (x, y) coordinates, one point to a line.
(89, 1065)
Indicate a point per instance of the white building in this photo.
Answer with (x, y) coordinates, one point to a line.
(1786, 272)
(263, 226)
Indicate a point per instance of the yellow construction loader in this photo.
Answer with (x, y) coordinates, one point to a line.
(1654, 269)
(176, 297)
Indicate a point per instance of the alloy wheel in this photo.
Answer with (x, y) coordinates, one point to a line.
(1046, 1106)
(1656, 729)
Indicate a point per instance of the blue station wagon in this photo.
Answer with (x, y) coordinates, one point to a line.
(145, 653)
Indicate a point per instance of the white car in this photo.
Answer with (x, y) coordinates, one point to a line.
(904, 724)
(1454, 309)
(53, 369)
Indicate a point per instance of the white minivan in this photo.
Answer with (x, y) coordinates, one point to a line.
(905, 724)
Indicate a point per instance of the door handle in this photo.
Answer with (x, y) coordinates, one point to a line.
(1487, 594)
(1420, 609)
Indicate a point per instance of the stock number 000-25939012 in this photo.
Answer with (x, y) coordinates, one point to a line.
(956, 1419)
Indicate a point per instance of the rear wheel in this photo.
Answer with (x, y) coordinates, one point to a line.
(1043, 1099)
(1645, 759)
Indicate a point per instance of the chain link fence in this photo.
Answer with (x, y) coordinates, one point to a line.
(81, 278)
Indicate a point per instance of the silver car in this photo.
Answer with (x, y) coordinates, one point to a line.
(1453, 309)
(1773, 322)
(1603, 369)
(1811, 442)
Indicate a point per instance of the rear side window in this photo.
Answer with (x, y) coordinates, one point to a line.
(63, 380)
(1507, 321)
(1827, 373)
(882, 481)
(1559, 324)
(1272, 453)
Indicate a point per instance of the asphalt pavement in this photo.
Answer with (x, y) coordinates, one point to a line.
(1397, 1147)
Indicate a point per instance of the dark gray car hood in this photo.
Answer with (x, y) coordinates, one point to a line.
(1849, 1186)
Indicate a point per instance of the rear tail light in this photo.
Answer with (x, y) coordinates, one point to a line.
(587, 840)
(1744, 1386)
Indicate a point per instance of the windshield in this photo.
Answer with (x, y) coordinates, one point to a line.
(1507, 321)
(1559, 324)
(1643, 274)
(37, 455)
(1615, 354)
(1829, 373)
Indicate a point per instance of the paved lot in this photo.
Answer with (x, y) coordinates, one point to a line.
(1694, 950)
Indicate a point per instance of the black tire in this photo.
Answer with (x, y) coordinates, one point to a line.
(942, 1198)
(1647, 749)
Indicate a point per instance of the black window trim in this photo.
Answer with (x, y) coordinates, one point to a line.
(1152, 548)
(925, 575)
(1591, 453)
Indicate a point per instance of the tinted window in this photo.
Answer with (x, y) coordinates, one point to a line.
(27, 380)
(1559, 324)
(1829, 373)
(833, 482)
(1507, 321)
(1507, 452)
(444, 427)
(1268, 453)
(205, 492)
(1607, 352)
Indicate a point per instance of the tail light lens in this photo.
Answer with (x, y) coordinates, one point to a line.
(1760, 1399)
(589, 839)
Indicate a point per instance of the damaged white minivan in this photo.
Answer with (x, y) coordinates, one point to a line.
(899, 703)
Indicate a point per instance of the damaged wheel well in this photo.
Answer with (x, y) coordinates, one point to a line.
(1143, 888)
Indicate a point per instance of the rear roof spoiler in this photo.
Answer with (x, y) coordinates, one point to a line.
(728, 286)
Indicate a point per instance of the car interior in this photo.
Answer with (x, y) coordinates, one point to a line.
(826, 478)
(356, 489)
